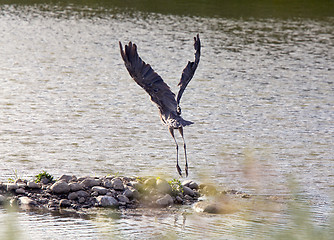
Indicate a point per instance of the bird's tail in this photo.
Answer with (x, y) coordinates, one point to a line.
(185, 122)
(175, 121)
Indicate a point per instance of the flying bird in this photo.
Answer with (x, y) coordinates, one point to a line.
(159, 91)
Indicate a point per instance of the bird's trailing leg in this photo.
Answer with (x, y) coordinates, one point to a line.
(185, 151)
(171, 130)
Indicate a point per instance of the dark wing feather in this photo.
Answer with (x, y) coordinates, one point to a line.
(148, 79)
(189, 70)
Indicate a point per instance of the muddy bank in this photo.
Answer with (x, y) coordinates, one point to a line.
(71, 192)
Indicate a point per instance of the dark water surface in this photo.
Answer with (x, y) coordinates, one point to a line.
(262, 101)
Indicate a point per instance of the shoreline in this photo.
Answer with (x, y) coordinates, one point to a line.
(76, 194)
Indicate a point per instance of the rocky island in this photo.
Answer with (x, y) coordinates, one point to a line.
(75, 193)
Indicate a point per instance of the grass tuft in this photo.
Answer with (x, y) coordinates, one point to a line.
(42, 175)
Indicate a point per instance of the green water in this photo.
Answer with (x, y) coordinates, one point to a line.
(208, 8)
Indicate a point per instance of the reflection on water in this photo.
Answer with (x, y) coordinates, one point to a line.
(257, 219)
(208, 8)
(262, 102)
(142, 224)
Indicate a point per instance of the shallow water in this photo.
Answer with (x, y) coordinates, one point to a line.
(262, 102)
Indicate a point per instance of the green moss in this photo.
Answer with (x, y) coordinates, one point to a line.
(176, 186)
(140, 179)
(42, 175)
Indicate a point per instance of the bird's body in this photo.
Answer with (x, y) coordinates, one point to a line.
(159, 91)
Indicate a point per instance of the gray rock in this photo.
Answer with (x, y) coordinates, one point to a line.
(82, 193)
(20, 191)
(43, 200)
(128, 193)
(65, 203)
(60, 187)
(2, 199)
(196, 195)
(94, 194)
(52, 204)
(75, 187)
(107, 201)
(45, 180)
(80, 179)
(179, 199)
(188, 191)
(72, 196)
(110, 194)
(126, 179)
(117, 184)
(190, 183)
(12, 186)
(188, 198)
(106, 183)
(93, 202)
(136, 194)
(163, 186)
(186, 182)
(137, 185)
(193, 185)
(21, 184)
(33, 185)
(208, 207)
(27, 201)
(213, 208)
(66, 178)
(165, 201)
(100, 190)
(74, 179)
(90, 182)
(123, 198)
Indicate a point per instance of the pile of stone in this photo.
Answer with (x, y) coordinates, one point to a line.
(87, 192)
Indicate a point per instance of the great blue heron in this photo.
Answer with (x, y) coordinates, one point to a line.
(161, 95)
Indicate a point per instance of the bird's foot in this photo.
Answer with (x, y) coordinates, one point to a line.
(179, 169)
(186, 169)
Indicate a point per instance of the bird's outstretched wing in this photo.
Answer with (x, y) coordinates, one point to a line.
(147, 78)
(189, 70)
